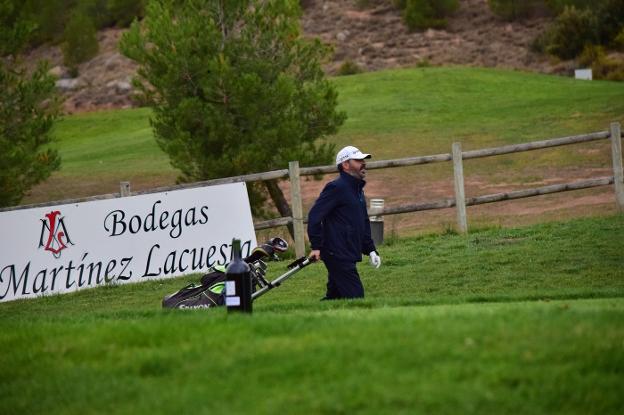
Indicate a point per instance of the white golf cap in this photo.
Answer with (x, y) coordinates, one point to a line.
(350, 153)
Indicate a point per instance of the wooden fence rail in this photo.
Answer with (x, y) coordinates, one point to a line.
(486, 152)
(460, 201)
(471, 201)
(457, 156)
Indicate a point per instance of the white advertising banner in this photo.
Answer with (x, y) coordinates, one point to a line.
(64, 248)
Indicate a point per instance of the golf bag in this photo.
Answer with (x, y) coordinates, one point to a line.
(202, 296)
(211, 291)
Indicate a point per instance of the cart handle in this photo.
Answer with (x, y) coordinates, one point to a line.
(300, 262)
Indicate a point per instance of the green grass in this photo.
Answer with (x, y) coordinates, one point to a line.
(518, 321)
(393, 113)
(101, 143)
(465, 102)
(99, 150)
(429, 108)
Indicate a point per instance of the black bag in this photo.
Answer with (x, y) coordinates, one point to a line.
(212, 278)
(211, 293)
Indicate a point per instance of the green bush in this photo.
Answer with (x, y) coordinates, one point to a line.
(610, 17)
(96, 10)
(80, 40)
(581, 22)
(570, 32)
(602, 66)
(557, 6)
(49, 17)
(29, 106)
(618, 42)
(590, 55)
(123, 12)
(514, 9)
(349, 67)
(538, 45)
(107, 13)
(424, 14)
(616, 73)
(14, 32)
(608, 68)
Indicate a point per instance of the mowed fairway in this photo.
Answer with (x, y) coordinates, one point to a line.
(519, 321)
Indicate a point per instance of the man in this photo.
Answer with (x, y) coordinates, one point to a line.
(339, 229)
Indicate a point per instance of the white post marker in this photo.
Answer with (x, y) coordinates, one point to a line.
(583, 74)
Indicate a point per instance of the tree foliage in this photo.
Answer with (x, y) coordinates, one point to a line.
(81, 42)
(570, 32)
(123, 12)
(14, 31)
(28, 108)
(514, 9)
(234, 87)
(424, 14)
(52, 16)
(579, 25)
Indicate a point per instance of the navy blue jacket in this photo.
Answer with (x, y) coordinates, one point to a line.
(338, 223)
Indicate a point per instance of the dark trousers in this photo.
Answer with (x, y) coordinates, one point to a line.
(343, 280)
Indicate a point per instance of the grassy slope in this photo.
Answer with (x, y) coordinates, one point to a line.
(394, 113)
(469, 103)
(109, 142)
(415, 345)
(544, 337)
(101, 149)
(423, 111)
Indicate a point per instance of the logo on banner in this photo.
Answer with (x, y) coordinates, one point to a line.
(54, 236)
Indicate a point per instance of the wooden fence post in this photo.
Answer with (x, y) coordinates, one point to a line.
(124, 189)
(297, 207)
(616, 153)
(460, 197)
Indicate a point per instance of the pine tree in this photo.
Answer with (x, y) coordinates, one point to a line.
(28, 109)
(234, 87)
(80, 41)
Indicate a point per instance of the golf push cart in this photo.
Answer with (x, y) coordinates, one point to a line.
(211, 292)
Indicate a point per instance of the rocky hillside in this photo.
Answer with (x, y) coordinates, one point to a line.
(367, 33)
(375, 37)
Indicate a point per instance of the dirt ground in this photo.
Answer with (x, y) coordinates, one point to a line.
(401, 186)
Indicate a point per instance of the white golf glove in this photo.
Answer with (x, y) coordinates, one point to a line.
(375, 259)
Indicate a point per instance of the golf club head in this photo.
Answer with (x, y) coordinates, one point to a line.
(278, 244)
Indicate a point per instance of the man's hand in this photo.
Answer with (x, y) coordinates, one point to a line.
(375, 259)
(315, 255)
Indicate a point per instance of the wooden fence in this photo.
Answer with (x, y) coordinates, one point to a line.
(459, 201)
